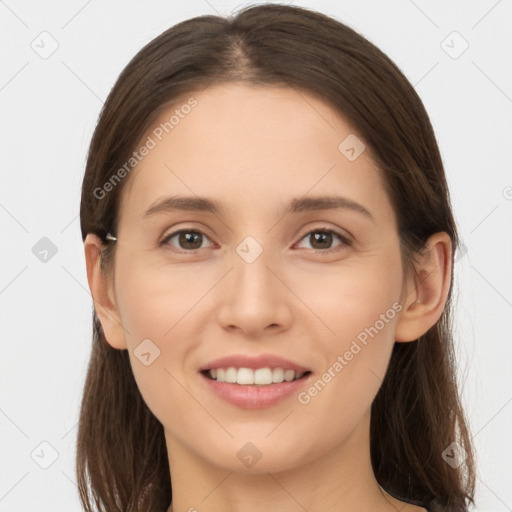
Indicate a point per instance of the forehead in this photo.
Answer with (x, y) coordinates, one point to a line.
(249, 146)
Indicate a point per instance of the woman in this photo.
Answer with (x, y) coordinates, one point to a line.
(269, 245)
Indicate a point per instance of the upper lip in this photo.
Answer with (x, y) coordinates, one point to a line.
(254, 362)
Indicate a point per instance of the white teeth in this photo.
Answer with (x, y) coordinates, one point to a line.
(289, 375)
(230, 375)
(277, 375)
(245, 376)
(248, 376)
(263, 376)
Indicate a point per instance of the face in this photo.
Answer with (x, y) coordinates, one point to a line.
(274, 278)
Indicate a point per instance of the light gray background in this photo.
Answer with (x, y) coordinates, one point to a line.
(49, 109)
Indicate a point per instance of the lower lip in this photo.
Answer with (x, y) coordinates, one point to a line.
(254, 396)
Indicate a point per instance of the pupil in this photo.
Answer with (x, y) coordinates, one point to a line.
(323, 237)
(188, 238)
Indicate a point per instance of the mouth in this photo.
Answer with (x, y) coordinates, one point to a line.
(265, 376)
(254, 381)
(254, 388)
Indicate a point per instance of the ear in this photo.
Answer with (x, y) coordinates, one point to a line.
(102, 291)
(426, 293)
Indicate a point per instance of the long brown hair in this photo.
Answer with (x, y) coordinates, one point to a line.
(122, 462)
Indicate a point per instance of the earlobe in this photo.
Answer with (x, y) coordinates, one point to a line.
(424, 303)
(102, 292)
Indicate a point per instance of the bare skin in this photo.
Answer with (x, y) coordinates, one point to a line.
(253, 149)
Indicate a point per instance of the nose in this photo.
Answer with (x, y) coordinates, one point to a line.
(254, 299)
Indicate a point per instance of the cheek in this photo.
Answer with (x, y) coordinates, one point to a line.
(351, 296)
(153, 303)
(154, 299)
(358, 308)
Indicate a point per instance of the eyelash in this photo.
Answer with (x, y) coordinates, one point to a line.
(343, 238)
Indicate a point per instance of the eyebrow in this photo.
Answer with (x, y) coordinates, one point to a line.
(296, 205)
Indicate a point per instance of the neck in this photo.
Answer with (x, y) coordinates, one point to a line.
(341, 480)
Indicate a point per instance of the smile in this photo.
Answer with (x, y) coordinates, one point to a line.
(247, 376)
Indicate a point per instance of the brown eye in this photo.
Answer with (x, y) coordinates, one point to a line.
(323, 239)
(186, 239)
